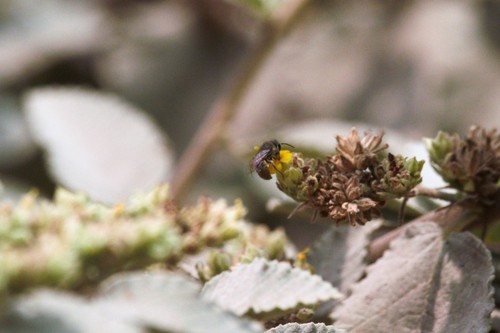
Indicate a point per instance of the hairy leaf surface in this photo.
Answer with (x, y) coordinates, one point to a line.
(305, 328)
(48, 311)
(339, 256)
(127, 303)
(267, 288)
(167, 302)
(423, 283)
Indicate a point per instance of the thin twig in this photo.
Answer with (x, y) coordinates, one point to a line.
(224, 109)
(401, 215)
(434, 193)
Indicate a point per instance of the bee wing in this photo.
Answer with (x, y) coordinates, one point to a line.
(261, 156)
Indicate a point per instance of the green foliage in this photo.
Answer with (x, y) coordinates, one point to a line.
(73, 242)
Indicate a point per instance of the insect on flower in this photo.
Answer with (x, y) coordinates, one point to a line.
(269, 158)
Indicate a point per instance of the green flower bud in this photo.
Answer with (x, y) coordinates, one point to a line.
(219, 262)
(275, 247)
(397, 176)
(470, 164)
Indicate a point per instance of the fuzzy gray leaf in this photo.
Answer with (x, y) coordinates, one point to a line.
(97, 143)
(305, 328)
(339, 256)
(166, 302)
(56, 312)
(267, 288)
(36, 34)
(423, 283)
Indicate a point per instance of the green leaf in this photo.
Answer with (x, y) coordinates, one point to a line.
(423, 283)
(266, 289)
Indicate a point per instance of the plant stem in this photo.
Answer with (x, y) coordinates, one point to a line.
(434, 193)
(445, 217)
(224, 109)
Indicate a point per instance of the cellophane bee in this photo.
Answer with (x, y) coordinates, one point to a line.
(265, 158)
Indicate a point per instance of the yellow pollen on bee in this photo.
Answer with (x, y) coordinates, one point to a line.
(285, 157)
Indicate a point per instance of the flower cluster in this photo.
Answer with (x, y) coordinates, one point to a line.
(352, 184)
(75, 243)
(471, 164)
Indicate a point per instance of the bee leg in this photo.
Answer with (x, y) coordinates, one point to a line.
(276, 169)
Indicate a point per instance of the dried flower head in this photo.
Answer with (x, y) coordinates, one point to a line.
(358, 153)
(470, 164)
(352, 184)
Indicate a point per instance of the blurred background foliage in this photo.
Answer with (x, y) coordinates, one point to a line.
(414, 67)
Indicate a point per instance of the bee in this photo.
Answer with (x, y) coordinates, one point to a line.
(265, 157)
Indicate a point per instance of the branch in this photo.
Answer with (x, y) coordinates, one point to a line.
(224, 109)
(443, 217)
(434, 193)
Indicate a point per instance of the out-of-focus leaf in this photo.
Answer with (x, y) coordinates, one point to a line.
(266, 289)
(38, 32)
(444, 43)
(423, 283)
(149, 22)
(321, 82)
(12, 190)
(127, 303)
(158, 38)
(305, 328)
(166, 302)
(339, 256)
(16, 145)
(56, 312)
(97, 143)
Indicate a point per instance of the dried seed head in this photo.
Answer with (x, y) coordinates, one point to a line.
(352, 184)
(355, 153)
(471, 165)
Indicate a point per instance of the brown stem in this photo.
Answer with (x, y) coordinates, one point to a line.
(434, 193)
(462, 212)
(223, 110)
